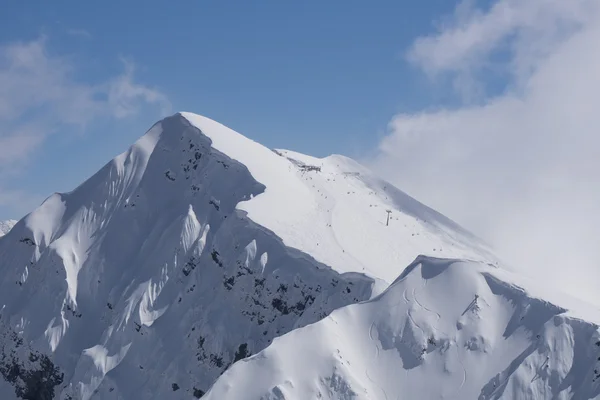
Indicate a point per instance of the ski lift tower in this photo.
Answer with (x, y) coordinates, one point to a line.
(388, 217)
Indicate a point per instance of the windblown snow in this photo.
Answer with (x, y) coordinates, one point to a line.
(201, 264)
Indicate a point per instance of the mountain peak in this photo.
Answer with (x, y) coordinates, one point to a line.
(192, 250)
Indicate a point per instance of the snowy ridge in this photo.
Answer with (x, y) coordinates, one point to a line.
(198, 248)
(6, 226)
(333, 208)
(445, 329)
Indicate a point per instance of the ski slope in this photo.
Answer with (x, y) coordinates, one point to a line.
(198, 248)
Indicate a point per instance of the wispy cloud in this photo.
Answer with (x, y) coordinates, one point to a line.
(39, 98)
(81, 33)
(125, 96)
(520, 168)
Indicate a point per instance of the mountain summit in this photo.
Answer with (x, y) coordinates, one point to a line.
(200, 259)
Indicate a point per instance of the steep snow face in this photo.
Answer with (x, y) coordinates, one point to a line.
(6, 226)
(191, 251)
(444, 329)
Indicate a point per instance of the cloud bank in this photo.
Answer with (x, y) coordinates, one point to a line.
(518, 161)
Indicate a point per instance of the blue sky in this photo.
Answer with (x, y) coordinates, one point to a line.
(317, 77)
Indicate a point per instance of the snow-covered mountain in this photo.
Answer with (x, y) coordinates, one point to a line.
(6, 226)
(445, 329)
(198, 248)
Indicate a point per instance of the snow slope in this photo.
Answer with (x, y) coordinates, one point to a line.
(444, 330)
(6, 226)
(335, 210)
(191, 251)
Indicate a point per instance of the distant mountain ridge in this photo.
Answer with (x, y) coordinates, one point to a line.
(6, 226)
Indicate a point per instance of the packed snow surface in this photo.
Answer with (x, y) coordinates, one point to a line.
(198, 247)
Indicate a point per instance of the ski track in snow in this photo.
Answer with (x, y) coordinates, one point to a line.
(414, 323)
(438, 316)
(377, 352)
(377, 349)
(464, 379)
(375, 384)
(406, 300)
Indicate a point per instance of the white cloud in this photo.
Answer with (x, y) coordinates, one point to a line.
(125, 96)
(511, 38)
(521, 168)
(39, 97)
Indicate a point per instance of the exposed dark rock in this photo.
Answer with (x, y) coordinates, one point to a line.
(215, 256)
(198, 393)
(27, 241)
(241, 353)
(32, 382)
